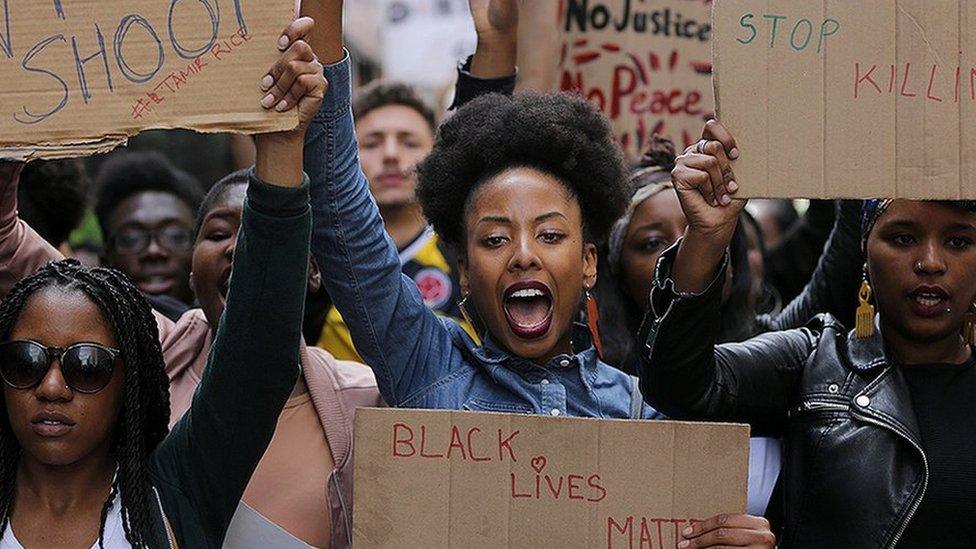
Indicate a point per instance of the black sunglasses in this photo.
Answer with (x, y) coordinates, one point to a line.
(86, 367)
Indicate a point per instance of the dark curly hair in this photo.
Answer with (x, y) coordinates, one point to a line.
(52, 197)
(559, 134)
(144, 419)
(129, 173)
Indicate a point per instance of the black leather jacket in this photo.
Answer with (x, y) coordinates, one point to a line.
(854, 470)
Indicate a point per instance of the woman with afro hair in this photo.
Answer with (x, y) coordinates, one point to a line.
(524, 188)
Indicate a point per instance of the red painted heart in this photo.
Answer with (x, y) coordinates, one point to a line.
(539, 463)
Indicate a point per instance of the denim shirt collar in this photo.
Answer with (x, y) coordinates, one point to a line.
(585, 358)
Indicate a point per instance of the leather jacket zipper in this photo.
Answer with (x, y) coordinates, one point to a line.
(925, 471)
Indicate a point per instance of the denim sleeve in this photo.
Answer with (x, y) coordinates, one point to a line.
(404, 342)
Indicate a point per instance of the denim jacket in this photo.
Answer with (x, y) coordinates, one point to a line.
(422, 360)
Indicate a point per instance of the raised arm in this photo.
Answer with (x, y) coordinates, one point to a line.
(685, 375)
(404, 342)
(492, 68)
(22, 251)
(833, 286)
(254, 362)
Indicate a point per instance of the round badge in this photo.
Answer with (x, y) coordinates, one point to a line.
(435, 287)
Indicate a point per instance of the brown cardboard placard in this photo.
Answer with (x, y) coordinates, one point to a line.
(645, 64)
(461, 479)
(849, 99)
(80, 76)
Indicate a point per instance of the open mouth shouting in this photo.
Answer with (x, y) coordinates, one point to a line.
(528, 309)
(929, 301)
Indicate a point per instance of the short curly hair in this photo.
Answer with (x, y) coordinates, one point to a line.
(381, 93)
(559, 134)
(128, 173)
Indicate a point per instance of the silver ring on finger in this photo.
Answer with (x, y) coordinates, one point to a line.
(700, 146)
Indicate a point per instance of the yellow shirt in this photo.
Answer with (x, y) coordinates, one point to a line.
(425, 260)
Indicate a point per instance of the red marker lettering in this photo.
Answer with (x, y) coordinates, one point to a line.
(928, 94)
(398, 442)
(574, 486)
(506, 444)
(904, 83)
(472, 431)
(423, 444)
(456, 443)
(858, 79)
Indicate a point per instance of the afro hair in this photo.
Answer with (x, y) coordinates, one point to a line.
(559, 134)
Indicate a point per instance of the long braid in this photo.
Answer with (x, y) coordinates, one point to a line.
(144, 417)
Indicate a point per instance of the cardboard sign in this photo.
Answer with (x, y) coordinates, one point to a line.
(646, 64)
(80, 76)
(849, 99)
(460, 479)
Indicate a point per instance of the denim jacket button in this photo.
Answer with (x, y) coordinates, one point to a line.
(544, 382)
(863, 401)
(554, 412)
(564, 363)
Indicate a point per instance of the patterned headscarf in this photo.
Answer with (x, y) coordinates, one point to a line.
(647, 181)
(872, 210)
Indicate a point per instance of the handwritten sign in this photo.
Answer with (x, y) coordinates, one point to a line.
(460, 479)
(80, 76)
(646, 64)
(849, 99)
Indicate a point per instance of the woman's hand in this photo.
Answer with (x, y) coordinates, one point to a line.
(705, 183)
(295, 81)
(496, 22)
(729, 531)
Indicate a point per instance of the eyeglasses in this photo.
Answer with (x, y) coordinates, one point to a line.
(131, 241)
(86, 367)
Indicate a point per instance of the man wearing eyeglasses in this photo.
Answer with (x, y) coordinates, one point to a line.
(146, 208)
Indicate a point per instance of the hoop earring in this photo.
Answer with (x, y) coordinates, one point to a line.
(593, 322)
(864, 319)
(471, 319)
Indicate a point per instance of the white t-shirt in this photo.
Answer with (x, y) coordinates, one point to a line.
(114, 535)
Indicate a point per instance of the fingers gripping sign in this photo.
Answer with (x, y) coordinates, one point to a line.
(729, 531)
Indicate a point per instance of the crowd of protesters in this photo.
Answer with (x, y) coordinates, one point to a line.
(192, 379)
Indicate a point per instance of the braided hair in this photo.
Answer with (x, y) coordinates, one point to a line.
(144, 418)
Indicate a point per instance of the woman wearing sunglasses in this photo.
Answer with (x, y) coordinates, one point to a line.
(85, 458)
(877, 421)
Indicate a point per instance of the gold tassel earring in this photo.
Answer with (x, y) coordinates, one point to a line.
(864, 319)
(969, 325)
